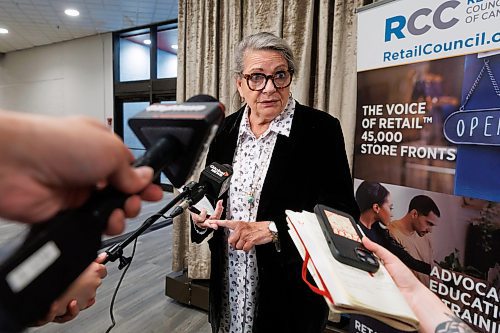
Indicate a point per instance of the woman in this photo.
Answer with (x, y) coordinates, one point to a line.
(375, 204)
(285, 156)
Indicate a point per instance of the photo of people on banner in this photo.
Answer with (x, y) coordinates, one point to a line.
(451, 243)
(426, 168)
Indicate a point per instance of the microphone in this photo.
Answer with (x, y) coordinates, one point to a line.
(186, 130)
(213, 183)
(201, 98)
(56, 251)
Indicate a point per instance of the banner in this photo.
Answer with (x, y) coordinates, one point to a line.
(428, 138)
(402, 31)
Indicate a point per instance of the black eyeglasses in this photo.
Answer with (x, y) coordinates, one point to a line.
(258, 81)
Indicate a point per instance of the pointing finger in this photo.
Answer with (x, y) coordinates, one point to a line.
(225, 223)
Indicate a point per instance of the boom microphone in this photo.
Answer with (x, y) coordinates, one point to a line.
(214, 182)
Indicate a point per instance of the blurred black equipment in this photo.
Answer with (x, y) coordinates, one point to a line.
(214, 181)
(186, 129)
(56, 251)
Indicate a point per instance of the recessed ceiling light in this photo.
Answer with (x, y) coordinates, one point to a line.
(4, 31)
(147, 41)
(71, 12)
(175, 46)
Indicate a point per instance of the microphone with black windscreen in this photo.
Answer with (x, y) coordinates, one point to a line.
(213, 183)
(56, 251)
(186, 130)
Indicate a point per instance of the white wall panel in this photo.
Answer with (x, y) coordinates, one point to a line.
(73, 77)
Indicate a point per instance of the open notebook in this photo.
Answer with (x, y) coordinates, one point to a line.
(348, 289)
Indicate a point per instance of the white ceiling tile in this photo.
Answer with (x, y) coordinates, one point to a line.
(42, 3)
(98, 2)
(39, 22)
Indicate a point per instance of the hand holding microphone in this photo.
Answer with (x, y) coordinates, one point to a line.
(58, 249)
(202, 220)
(215, 178)
(213, 183)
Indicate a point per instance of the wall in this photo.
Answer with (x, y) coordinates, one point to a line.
(73, 77)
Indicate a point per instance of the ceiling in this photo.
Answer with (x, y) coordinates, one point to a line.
(40, 22)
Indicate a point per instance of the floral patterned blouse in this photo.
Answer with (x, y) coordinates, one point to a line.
(250, 165)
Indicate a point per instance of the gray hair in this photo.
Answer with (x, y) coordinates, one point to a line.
(263, 41)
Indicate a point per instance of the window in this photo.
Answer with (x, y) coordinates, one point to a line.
(135, 49)
(129, 110)
(167, 51)
(145, 72)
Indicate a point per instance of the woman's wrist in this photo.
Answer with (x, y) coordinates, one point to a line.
(200, 229)
(429, 309)
(274, 234)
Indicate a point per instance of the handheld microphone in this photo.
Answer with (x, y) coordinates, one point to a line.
(191, 125)
(213, 183)
(56, 251)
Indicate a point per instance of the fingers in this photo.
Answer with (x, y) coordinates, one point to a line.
(240, 244)
(237, 242)
(90, 303)
(247, 246)
(71, 313)
(131, 180)
(152, 192)
(401, 274)
(132, 207)
(233, 239)
(245, 235)
(227, 223)
(116, 222)
(101, 271)
(372, 246)
(218, 211)
(101, 257)
(50, 315)
(380, 251)
(201, 220)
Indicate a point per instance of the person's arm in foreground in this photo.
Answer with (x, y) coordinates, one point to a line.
(434, 315)
(51, 164)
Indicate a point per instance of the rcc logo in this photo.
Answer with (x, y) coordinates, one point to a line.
(395, 25)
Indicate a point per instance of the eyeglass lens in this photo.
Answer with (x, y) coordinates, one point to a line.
(258, 81)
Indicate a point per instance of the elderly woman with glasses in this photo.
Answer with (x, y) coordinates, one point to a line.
(285, 156)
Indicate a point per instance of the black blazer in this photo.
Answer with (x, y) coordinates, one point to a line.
(308, 167)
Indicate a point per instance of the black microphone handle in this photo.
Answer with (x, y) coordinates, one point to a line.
(164, 151)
